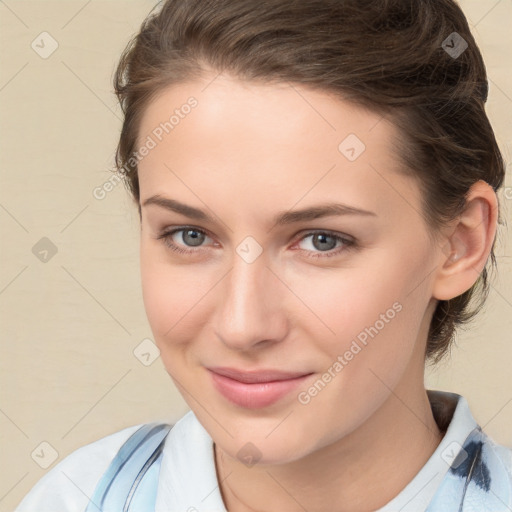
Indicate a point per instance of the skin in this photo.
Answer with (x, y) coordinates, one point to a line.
(246, 152)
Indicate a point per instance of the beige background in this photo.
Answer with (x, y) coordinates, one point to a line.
(70, 325)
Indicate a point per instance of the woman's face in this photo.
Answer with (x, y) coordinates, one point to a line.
(252, 285)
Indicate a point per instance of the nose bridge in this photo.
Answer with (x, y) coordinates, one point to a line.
(245, 289)
(249, 305)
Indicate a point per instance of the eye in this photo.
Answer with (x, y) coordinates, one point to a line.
(191, 235)
(322, 241)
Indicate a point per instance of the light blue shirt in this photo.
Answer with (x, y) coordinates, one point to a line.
(468, 472)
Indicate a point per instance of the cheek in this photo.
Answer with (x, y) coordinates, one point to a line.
(367, 315)
(173, 296)
(159, 290)
(342, 303)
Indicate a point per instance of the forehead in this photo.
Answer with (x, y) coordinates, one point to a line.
(269, 142)
(282, 110)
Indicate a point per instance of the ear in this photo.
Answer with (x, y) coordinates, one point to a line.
(466, 250)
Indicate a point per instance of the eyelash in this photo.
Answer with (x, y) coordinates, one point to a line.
(166, 238)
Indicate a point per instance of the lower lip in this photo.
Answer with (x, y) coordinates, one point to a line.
(256, 395)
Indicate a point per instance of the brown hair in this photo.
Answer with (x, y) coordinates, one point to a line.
(390, 56)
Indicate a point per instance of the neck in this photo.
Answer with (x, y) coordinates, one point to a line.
(361, 472)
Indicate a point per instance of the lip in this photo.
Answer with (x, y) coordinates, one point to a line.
(255, 389)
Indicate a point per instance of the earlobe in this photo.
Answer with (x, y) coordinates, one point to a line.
(467, 249)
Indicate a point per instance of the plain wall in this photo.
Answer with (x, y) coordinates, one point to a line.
(69, 325)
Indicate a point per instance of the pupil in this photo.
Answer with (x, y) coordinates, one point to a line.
(321, 238)
(195, 237)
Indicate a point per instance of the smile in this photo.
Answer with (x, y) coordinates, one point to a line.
(254, 390)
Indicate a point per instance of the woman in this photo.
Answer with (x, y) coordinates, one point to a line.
(256, 133)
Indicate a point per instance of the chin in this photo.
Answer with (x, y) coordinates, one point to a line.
(265, 453)
(252, 444)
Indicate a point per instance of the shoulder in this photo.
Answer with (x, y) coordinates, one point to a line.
(67, 486)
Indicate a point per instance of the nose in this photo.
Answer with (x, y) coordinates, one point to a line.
(250, 313)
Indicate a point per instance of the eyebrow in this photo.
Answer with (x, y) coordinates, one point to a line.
(281, 219)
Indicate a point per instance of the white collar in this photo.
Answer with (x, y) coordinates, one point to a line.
(420, 491)
(188, 480)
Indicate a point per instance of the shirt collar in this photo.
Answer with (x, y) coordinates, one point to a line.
(188, 478)
(453, 417)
